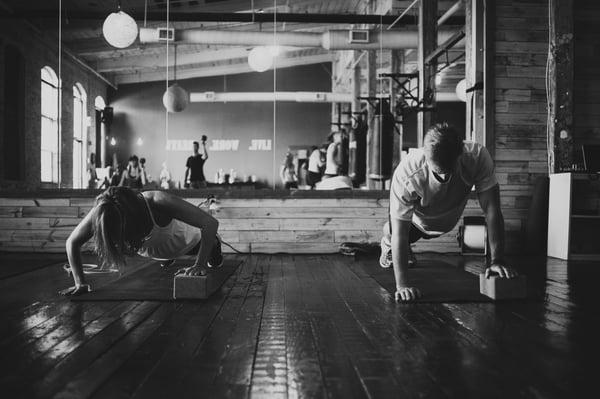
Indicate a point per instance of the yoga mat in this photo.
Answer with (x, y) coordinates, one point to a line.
(438, 281)
(151, 283)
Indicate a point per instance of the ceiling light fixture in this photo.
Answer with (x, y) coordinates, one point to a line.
(176, 98)
(461, 90)
(119, 29)
(260, 58)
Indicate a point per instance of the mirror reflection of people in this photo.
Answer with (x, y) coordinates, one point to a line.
(133, 176)
(194, 172)
(428, 194)
(153, 224)
(288, 172)
(315, 165)
(331, 165)
(92, 176)
(164, 177)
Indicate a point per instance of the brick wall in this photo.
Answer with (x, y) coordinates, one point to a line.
(38, 51)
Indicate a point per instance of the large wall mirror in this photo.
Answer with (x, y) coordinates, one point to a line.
(295, 95)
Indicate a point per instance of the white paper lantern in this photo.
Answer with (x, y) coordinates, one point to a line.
(260, 58)
(461, 90)
(175, 98)
(120, 30)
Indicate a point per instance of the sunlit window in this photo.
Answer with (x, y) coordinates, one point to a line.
(50, 133)
(79, 135)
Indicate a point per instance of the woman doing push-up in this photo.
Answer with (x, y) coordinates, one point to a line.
(153, 224)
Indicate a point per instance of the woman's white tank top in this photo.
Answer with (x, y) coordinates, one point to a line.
(168, 242)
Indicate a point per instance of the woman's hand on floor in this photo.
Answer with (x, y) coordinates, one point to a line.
(192, 271)
(75, 290)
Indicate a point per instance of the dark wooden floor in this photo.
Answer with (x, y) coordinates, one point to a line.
(299, 326)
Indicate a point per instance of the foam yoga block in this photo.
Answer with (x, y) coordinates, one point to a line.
(192, 287)
(503, 288)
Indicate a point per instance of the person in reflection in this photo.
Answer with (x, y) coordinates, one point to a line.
(429, 191)
(92, 177)
(194, 172)
(133, 176)
(288, 172)
(315, 164)
(154, 224)
(165, 177)
(331, 165)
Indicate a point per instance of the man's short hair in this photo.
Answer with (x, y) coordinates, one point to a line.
(443, 145)
(196, 143)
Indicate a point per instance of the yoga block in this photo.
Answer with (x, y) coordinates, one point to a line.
(496, 287)
(191, 287)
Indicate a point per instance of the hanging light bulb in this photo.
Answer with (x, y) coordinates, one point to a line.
(438, 79)
(176, 98)
(139, 141)
(461, 90)
(260, 58)
(119, 29)
(113, 142)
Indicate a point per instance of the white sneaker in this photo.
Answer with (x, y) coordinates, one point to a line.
(385, 259)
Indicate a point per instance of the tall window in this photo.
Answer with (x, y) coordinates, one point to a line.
(50, 126)
(79, 135)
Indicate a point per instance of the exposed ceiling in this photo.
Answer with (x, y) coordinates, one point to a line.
(82, 32)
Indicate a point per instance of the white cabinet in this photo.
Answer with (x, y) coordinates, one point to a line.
(574, 216)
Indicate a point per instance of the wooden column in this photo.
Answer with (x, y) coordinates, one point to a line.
(469, 78)
(560, 132)
(489, 66)
(427, 43)
(397, 62)
(372, 92)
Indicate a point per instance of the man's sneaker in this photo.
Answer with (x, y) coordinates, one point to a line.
(385, 259)
(216, 256)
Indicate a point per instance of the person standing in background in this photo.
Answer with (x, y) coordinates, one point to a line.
(288, 173)
(331, 166)
(133, 176)
(92, 177)
(315, 164)
(194, 172)
(165, 177)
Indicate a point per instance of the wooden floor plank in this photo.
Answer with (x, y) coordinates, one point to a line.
(24, 349)
(165, 378)
(91, 378)
(305, 377)
(93, 348)
(370, 307)
(223, 362)
(269, 373)
(302, 326)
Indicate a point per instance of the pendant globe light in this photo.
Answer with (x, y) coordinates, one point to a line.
(260, 58)
(461, 90)
(176, 98)
(119, 29)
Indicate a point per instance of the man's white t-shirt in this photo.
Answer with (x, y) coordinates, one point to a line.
(435, 207)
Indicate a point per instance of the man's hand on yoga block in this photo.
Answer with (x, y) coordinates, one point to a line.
(501, 270)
